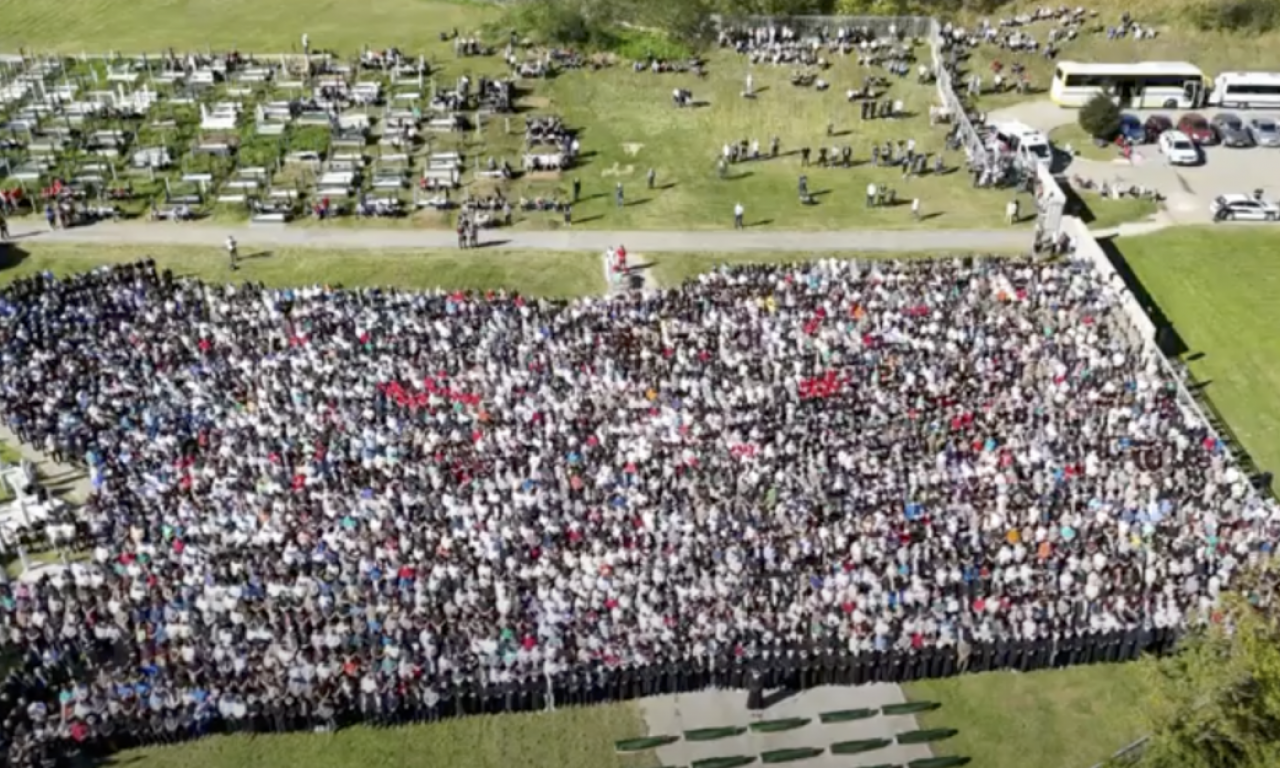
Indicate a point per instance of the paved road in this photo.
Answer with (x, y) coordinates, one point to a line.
(273, 235)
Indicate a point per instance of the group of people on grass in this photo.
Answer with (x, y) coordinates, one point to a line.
(316, 505)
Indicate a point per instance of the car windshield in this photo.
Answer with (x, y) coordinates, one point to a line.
(1196, 123)
(1182, 144)
(1039, 150)
(1230, 122)
(1265, 126)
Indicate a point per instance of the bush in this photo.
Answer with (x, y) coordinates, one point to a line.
(635, 45)
(581, 24)
(1100, 117)
(1253, 16)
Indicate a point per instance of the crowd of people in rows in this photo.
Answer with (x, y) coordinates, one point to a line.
(318, 503)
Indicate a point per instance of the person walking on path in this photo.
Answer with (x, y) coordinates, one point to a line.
(738, 212)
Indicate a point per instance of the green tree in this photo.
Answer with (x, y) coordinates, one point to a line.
(1100, 117)
(1216, 703)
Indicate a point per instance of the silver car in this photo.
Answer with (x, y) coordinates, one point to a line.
(1265, 132)
(1231, 131)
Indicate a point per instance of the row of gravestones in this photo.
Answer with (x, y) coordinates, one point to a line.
(923, 736)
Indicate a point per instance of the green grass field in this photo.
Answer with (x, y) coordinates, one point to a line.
(627, 120)
(1218, 286)
(1071, 718)
(535, 273)
(568, 738)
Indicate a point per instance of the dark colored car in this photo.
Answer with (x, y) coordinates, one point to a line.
(1197, 128)
(1231, 130)
(1156, 125)
(1131, 128)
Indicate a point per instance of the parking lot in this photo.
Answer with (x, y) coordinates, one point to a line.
(1189, 190)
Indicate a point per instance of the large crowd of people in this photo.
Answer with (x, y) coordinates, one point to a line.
(317, 505)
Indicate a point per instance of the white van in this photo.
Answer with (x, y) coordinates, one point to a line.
(1024, 142)
(1245, 90)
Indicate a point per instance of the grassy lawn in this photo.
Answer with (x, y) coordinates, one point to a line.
(1069, 718)
(1177, 40)
(567, 738)
(252, 27)
(534, 273)
(1102, 213)
(1082, 143)
(627, 120)
(1218, 285)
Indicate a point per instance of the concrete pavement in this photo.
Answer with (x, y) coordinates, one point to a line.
(341, 238)
(672, 715)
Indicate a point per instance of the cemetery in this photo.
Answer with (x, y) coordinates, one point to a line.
(500, 132)
(266, 139)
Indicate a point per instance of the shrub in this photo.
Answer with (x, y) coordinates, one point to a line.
(1253, 16)
(1100, 117)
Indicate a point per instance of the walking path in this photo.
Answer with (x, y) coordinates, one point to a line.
(63, 479)
(717, 709)
(251, 236)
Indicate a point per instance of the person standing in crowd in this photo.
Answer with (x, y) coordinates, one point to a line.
(313, 507)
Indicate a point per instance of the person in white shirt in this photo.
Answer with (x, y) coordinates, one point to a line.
(738, 212)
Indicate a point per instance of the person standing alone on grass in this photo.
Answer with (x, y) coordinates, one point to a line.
(617, 195)
(651, 176)
(231, 252)
(1011, 212)
(915, 209)
(738, 212)
(577, 189)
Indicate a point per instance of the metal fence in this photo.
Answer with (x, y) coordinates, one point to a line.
(968, 135)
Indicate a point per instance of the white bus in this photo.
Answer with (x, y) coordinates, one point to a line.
(1243, 90)
(1146, 85)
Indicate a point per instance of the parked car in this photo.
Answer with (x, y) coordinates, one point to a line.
(1231, 130)
(1197, 128)
(1131, 128)
(1265, 132)
(1178, 148)
(1244, 208)
(1155, 127)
